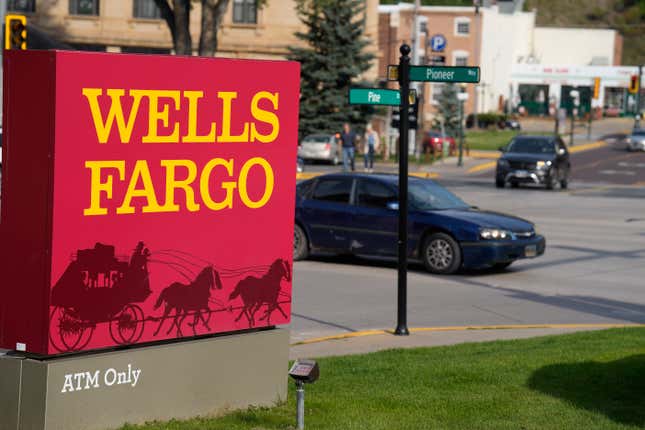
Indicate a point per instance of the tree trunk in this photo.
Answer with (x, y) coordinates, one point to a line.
(168, 15)
(212, 13)
(182, 40)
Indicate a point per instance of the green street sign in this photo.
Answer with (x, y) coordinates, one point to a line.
(374, 96)
(377, 96)
(444, 74)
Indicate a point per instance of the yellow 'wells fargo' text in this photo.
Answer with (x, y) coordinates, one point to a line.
(161, 101)
(140, 185)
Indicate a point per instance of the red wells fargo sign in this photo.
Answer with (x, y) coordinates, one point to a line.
(144, 198)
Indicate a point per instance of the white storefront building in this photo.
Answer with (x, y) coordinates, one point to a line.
(537, 67)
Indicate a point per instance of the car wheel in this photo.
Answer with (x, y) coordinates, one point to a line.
(501, 266)
(564, 182)
(300, 243)
(551, 180)
(499, 183)
(441, 254)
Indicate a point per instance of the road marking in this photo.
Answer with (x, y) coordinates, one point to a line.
(461, 328)
(309, 175)
(484, 154)
(617, 172)
(427, 175)
(587, 146)
(482, 167)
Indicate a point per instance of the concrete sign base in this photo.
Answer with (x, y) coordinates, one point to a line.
(160, 382)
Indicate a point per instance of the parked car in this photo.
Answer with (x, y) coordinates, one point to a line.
(542, 160)
(358, 214)
(512, 124)
(320, 147)
(636, 140)
(433, 142)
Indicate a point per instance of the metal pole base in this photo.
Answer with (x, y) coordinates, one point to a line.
(402, 331)
(300, 405)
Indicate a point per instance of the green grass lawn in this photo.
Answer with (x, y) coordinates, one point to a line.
(588, 380)
(488, 140)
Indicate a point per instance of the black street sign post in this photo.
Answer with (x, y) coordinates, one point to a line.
(402, 291)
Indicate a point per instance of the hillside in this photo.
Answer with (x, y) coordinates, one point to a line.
(626, 16)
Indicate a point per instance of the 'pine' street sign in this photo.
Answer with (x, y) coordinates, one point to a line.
(377, 96)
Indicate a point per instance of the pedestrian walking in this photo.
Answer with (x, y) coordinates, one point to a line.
(348, 141)
(371, 141)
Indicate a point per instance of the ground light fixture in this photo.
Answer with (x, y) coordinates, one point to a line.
(303, 372)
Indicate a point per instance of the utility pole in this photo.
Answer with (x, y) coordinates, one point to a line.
(638, 97)
(416, 36)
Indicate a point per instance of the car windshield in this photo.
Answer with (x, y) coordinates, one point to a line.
(531, 146)
(639, 133)
(317, 138)
(426, 195)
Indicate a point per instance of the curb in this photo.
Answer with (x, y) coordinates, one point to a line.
(460, 328)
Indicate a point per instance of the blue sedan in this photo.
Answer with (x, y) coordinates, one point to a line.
(358, 214)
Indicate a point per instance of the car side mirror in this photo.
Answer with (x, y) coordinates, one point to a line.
(502, 148)
(394, 206)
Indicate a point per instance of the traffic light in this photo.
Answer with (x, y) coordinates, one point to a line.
(413, 113)
(633, 84)
(15, 32)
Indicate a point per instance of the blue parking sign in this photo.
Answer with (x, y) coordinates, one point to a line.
(438, 43)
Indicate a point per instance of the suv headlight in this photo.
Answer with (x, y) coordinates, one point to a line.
(543, 164)
(494, 234)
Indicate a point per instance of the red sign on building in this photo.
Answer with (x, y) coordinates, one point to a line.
(144, 198)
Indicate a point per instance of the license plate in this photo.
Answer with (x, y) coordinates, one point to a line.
(530, 251)
(521, 174)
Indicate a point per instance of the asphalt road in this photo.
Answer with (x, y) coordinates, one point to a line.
(611, 164)
(592, 271)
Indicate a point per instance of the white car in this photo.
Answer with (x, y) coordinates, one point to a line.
(636, 141)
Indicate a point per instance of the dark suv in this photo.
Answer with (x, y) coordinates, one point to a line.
(534, 160)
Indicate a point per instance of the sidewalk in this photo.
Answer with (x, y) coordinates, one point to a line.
(378, 340)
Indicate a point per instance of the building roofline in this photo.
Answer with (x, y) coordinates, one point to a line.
(575, 28)
(389, 8)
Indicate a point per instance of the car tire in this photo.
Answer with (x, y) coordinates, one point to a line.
(501, 266)
(564, 182)
(499, 183)
(300, 243)
(441, 254)
(551, 181)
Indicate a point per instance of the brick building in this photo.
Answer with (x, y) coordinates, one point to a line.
(136, 26)
(460, 28)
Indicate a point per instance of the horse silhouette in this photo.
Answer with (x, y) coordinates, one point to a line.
(184, 298)
(256, 292)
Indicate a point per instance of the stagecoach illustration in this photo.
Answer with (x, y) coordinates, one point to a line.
(100, 288)
(97, 287)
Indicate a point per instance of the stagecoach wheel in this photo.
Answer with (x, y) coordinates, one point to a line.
(127, 327)
(67, 333)
(300, 243)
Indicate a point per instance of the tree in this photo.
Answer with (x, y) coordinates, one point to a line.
(333, 58)
(448, 110)
(176, 13)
